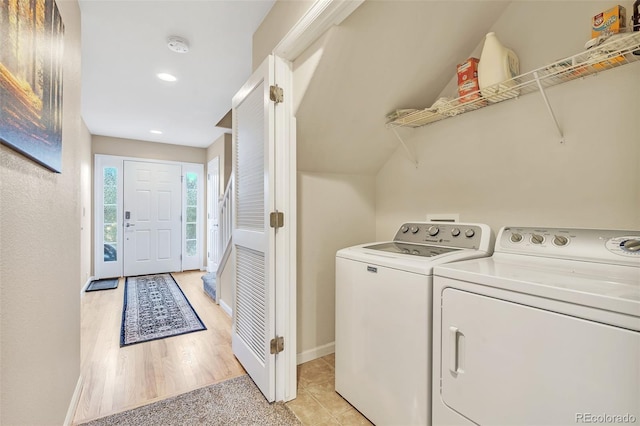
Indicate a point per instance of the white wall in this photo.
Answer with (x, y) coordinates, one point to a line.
(40, 268)
(504, 165)
(222, 148)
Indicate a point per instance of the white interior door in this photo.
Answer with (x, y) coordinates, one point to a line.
(254, 241)
(152, 222)
(213, 198)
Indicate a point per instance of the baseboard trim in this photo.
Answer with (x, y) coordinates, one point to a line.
(84, 287)
(226, 308)
(316, 352)
(75, 400)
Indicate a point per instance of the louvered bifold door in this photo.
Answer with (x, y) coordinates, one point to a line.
(253, 313)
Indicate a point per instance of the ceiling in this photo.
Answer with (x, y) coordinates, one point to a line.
(124, 46)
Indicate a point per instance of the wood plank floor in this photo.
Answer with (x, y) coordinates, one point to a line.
(117, 379)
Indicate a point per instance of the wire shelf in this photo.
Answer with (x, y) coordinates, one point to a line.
(611, 54)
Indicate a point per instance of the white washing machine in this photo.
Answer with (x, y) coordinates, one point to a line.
(383, 316)
(544, 332)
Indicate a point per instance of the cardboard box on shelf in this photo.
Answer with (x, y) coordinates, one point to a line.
(468, 80)
(611, 21)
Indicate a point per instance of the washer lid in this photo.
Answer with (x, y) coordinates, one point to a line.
(410, 249)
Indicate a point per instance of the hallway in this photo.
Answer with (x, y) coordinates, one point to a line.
(118, 379)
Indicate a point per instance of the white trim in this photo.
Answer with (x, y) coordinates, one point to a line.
(226, 308)
(316, 352)
(84, 287)
(75, 400)
(286, 260)
(319, 18)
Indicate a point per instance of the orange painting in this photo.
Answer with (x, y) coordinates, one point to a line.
(31, 49)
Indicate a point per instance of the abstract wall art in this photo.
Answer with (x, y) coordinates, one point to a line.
(31, 50)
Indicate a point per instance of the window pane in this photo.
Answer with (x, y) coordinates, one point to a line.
(110, 252)
(192, 181)
(110, 176)
(110, 195)
(110, 213)
(192, 197)
(191, 231)
(110, 234)
(192, 214)
(191, 247)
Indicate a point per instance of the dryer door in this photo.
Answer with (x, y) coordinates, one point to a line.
(506, 363)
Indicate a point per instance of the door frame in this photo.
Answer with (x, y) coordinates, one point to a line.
(212, 209)
(116, 269)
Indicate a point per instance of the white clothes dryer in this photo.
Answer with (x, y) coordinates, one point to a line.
(544, 332)
(383, 317)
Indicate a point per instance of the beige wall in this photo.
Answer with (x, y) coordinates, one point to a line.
(86, 207)
(141, 149)
(281, 18)
(500, 165)
(504, 165)
(334, 211)
(40, 219)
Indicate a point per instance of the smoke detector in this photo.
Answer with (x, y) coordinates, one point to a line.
(178, 44)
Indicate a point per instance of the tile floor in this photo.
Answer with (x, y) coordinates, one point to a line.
(317, 403)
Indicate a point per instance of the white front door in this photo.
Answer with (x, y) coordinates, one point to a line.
(213, 198)
(152, 209)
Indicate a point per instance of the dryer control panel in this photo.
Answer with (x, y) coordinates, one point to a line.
(594, 245)
(446, 234)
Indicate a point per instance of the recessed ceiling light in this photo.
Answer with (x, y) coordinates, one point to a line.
(155, 132)
(167, 77)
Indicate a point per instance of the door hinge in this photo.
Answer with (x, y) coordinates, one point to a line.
(276, 94)
(276, 219)
(277, 345)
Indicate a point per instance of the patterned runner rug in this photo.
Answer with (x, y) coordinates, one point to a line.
(155, 308)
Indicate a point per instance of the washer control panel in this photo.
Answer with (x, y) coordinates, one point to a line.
(447, 234)
(598, 245)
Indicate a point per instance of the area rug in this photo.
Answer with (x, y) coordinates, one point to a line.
(232, 402)
(154, 308)
(107, 284)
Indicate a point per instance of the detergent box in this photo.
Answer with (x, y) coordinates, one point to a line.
(468, 80)
(611, 21)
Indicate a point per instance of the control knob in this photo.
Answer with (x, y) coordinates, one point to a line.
(469, 233)
(560, 240)
(455, 232)
(537, 239)
(433, 230)
(515, 237)
(414, 229)
(404, 229)
(632, 245)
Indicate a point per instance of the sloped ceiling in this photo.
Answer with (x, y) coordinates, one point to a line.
(387, 55)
